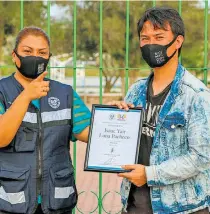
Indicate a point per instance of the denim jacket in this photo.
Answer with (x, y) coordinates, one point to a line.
(179, 171)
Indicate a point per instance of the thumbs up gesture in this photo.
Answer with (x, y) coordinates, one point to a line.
(37, 88)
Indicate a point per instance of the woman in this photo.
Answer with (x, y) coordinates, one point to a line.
(38, 119)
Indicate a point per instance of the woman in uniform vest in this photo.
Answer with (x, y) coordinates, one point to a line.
(38, 118)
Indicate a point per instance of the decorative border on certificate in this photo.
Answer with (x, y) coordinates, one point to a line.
(114, 138)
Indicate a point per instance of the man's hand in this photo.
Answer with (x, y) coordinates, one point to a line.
(137, 176)
(37, 88)
(121, 105)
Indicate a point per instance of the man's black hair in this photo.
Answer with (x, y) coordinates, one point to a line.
(160, 17)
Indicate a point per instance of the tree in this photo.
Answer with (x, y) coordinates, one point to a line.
(114, 32)
(34, 14)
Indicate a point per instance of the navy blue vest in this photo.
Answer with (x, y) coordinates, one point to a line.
(37, 161)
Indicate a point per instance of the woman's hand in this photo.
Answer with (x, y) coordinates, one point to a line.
(37, 88)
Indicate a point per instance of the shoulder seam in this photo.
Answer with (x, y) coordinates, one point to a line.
(197, 90)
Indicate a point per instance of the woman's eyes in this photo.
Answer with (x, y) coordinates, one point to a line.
(27, 51)
(42, 53)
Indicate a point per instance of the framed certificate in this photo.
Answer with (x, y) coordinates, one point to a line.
(114, 138)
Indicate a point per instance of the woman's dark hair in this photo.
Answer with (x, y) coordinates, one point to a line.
(160, 17)
(32, 30)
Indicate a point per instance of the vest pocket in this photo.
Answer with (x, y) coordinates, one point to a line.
(25, 140)
(14, 191)
(62, 189)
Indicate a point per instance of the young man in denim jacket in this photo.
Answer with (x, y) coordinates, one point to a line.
(173, 172)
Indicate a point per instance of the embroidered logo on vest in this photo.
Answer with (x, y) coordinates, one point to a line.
(54, 102)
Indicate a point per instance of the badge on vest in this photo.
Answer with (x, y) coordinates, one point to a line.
(54, 102)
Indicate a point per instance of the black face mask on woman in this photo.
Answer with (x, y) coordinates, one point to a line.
(31, 66)
(156, 55)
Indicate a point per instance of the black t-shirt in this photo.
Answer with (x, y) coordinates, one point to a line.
(139, 196)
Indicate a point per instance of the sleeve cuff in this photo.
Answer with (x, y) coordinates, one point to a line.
(151, 174)
(78, 130)
(73, 139)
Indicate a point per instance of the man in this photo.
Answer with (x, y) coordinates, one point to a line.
(173, 174)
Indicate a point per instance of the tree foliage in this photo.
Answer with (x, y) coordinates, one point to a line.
(114, 32)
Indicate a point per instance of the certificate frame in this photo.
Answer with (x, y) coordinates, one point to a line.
(139, 129)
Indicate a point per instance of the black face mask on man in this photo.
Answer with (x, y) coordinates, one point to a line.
(31, 66)
(156, 55)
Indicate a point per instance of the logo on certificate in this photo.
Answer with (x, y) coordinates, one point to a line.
(111, 116)
(121, 117)
(112, 150)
